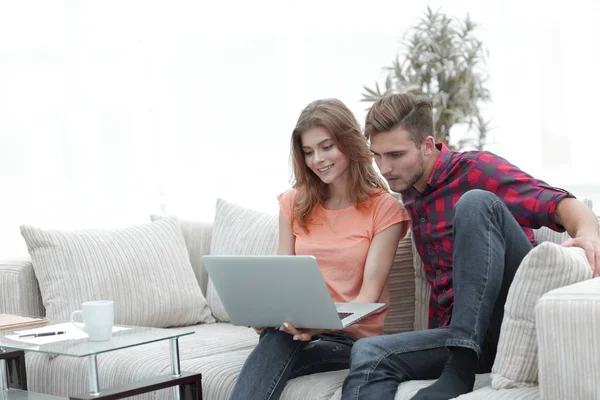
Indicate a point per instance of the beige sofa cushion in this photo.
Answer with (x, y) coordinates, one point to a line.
(197, 240)
(568, 336)
(422, 292)
(239, 231)
(481, 391)
(218, 351)
(487, 393)
(544, 268)
(145, 269)
(408, 389)
(401, 289)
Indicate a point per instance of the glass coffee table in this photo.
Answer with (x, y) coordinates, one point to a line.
(186, 385)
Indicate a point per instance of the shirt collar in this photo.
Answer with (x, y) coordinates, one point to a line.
(440, 164)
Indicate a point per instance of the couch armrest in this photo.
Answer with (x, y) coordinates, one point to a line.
(19, 290)
(568, 335)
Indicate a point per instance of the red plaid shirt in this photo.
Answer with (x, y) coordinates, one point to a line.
(531, 201)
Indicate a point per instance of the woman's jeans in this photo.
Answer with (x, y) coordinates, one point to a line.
(278, 358)
(489, 245)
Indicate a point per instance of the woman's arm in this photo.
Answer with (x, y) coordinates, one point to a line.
(379, 263)
(287, 240)
(377, 269)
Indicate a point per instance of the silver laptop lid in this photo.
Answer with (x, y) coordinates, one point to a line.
(265, 291)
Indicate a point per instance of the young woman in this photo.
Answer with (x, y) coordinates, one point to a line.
(340, 212)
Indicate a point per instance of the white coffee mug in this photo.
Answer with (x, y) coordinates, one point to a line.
(98, 318)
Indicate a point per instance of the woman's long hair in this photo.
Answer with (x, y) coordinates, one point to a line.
(333, 116)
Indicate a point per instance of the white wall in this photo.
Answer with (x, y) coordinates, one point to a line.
(113, 110)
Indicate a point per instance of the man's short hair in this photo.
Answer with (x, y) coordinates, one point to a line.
(401, 110)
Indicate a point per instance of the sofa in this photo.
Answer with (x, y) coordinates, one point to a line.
(562, 354)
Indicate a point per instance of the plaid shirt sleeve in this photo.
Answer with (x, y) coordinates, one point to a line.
(531, 201)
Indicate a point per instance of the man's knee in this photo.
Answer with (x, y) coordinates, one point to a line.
(365, 351)
(474, 200)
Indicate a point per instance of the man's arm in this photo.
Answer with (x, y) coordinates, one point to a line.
(582, 225)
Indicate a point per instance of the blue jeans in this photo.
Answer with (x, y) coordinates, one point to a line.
(489, 245)
(278, 358)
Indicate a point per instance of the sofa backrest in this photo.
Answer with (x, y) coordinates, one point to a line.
(197, 236)
(408, 289)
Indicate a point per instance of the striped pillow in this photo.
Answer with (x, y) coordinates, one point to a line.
(144, 269)
(196, 235)
(239, 231)
(548, 266)
(401, 289)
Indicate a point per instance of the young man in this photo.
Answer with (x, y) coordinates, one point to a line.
(473, 214)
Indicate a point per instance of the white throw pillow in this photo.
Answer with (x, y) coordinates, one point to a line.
(239, 231)
(546, 267)
(144, 269)
(197, 240)
(401, 289)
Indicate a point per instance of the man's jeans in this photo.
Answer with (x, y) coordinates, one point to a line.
(278, 358)
(489, 245)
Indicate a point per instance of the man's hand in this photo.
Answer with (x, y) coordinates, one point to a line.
(304, 335)
(591, 245)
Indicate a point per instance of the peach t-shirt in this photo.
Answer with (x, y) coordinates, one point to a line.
(340, 241)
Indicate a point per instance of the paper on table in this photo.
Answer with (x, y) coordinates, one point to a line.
(72, 333)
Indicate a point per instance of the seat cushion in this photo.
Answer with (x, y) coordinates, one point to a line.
(488, 393)
(408, 389)
(217, 350)
(482, 391)
(317, 386)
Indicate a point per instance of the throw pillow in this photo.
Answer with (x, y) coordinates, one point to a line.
(239, 231)
(546, 267)
(401, 289)
(197, 240)
(144, 269)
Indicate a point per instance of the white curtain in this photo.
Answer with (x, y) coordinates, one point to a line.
(112, 110)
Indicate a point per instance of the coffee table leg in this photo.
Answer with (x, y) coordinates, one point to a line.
(4, 377)
(175, 366)
(94, 387)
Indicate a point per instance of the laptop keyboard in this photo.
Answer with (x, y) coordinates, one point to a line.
(344, 314)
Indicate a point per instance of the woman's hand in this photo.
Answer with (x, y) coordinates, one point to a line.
(257, 330)
(304, 335)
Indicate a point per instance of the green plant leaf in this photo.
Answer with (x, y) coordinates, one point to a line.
(442, 59)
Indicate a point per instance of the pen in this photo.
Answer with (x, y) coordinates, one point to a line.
(42, 334)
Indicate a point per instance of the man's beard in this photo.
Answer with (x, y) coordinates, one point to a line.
(414, 178)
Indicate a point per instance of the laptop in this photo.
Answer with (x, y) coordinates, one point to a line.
(266, 291)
